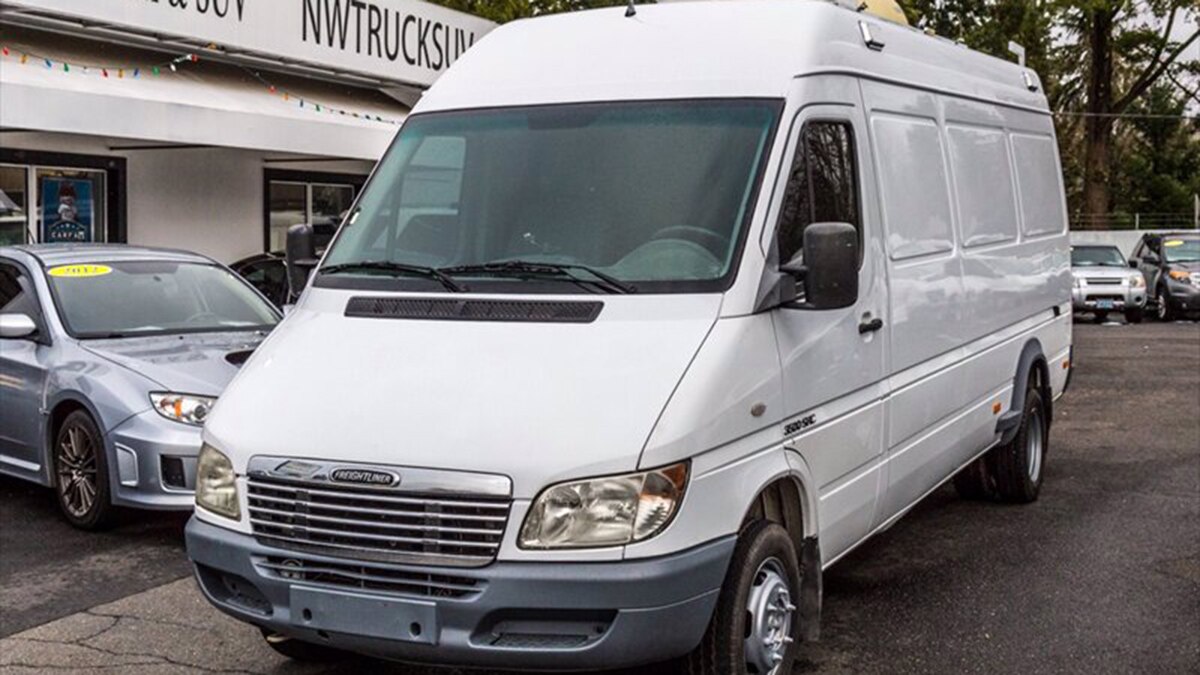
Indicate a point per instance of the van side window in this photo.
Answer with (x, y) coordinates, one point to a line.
(822, 186)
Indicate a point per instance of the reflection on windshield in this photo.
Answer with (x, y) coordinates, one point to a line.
(121, 299)
(649, 193)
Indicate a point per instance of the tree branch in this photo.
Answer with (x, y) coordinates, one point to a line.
(1152, 73)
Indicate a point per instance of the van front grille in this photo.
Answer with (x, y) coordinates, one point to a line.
(370, 577)
(373, 525)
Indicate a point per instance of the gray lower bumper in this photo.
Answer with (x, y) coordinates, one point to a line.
(568, 616)
(152, 462)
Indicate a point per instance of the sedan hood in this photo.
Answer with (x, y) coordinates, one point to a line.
(198, 363)
(539, 402)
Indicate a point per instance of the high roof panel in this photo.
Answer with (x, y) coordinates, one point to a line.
(745, 48)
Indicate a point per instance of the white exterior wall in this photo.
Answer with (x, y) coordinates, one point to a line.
(205, 200)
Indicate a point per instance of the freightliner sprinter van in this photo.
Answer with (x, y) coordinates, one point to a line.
(642, 323)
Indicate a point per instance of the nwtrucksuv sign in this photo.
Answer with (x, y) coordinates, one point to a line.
(397, 40)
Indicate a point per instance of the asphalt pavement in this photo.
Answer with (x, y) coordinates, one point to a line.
(1100, 575)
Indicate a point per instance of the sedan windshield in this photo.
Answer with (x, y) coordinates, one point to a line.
(613, 197)
(1092, 256)
(1180, 250)
(124, 299)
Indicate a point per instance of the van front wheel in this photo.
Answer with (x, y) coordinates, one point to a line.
(756, 623)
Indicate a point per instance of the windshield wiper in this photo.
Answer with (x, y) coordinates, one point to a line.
(397, 268)
(568, 270)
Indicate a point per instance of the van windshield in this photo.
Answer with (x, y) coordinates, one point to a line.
(647, 196)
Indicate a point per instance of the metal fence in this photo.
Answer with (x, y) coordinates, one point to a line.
(1134, 221)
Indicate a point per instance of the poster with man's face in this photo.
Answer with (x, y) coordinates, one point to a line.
(67, 211)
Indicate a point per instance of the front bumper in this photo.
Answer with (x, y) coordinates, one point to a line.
(566, 616)
(1107, 297)
(1183, 297)
(152, 462)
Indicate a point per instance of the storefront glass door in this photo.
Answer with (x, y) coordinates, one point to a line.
(71, 206)
(293, 202)
(14, 205)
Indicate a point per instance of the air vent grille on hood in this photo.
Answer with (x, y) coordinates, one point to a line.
(544, 311)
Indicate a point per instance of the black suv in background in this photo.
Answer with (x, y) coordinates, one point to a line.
(268, 271)
(1171, 265)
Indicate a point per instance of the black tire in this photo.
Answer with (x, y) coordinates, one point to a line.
(1134, 315)
(975, 481)
(81, 473)
(722, 651)
(1163, 306)
(299, 650)
(1018, 478)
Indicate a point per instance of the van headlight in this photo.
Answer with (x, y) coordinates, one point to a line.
(609, 511)
(186, 408)
(216, 483)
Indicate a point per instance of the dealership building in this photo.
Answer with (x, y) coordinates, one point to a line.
(208, 125)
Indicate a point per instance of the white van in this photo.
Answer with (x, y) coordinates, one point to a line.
(641, 323)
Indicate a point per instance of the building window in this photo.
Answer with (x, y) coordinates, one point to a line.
(296, 197)
(14, 205)
(59, 197)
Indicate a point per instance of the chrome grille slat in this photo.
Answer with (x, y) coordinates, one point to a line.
(375, 523)
(413, 514)
(367, 524)
(373, 496)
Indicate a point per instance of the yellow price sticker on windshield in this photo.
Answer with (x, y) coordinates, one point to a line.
(80, 271)
(1173, 242)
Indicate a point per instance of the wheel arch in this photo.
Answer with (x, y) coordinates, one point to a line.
(1031, 367)
(789, 501)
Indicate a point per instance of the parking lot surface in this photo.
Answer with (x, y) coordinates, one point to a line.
(1101, 575)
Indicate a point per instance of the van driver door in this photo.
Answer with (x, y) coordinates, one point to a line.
(833, 360)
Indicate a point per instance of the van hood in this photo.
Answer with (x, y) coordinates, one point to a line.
(538, 402)
(194, 363)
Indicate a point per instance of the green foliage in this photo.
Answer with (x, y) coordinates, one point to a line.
(502, 11)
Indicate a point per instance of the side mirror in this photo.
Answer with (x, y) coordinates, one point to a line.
(300, 256)
(1133, 263)
(16, 326)
(829, 271)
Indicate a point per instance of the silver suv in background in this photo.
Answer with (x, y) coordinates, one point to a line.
(110, 359)
(1104, 283)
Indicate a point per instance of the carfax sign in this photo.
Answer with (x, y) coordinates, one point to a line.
(396, 40)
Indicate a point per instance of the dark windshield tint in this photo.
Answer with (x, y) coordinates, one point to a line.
(1178, 249)
(643, 192)
(1093, 256)
(144, 298)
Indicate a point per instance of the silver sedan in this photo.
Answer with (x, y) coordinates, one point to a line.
(110, 359)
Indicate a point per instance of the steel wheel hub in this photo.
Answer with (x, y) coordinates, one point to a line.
(769, 615)
(1034, 445)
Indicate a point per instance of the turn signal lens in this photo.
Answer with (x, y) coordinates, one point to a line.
(1180, 275)
(184, 408)
(600, 512)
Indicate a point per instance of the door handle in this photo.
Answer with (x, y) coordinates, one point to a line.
(870, 326)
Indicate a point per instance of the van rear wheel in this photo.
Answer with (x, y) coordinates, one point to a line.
(1018, 465)
(756, 623)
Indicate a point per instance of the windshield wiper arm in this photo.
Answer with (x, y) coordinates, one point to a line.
(602, 280)
(397, 268)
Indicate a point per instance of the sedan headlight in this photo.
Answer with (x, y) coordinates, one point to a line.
(1137, 281)
(608, 511)
(1181, 276)
(216, 483)
(184, 408)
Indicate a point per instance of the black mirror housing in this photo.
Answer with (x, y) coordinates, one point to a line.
(300, 257)
(830, 272)
(1133, 263)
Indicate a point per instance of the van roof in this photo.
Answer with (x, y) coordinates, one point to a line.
(722, 49)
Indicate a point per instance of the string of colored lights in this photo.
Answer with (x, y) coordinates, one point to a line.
(25, 57)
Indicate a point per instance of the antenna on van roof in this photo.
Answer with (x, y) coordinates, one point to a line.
(630, 10)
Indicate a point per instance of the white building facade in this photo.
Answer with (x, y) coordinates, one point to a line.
(207, 125)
